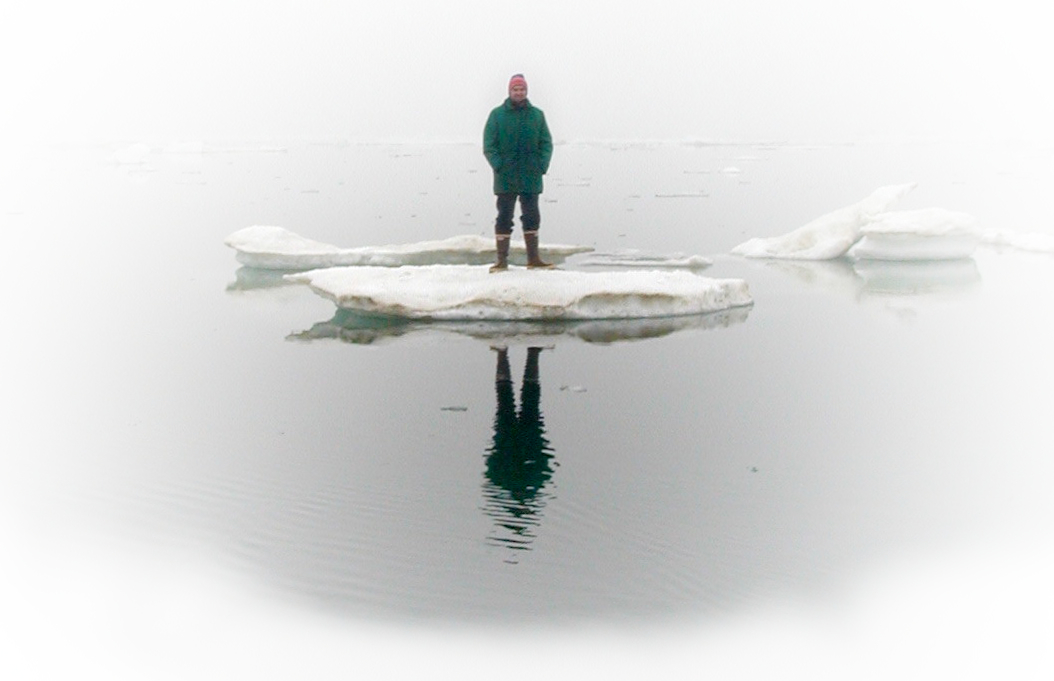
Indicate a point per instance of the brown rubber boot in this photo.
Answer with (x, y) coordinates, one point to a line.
(501, 241)
(533, 261)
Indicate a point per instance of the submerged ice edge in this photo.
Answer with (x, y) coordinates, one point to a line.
(589, 307)
(349, 326)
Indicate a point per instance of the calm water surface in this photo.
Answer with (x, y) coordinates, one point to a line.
(685, 470)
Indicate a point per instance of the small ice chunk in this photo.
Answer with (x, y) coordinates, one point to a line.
(828, 236)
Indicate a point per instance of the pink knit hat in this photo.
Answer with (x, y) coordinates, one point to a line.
(518, 79)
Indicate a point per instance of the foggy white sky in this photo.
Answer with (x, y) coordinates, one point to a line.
(811, 70)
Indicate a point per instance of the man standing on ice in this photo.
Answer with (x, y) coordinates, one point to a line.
(518, 146)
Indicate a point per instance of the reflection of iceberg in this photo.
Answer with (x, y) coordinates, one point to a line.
(462, 292)
(833, 275)
(352, 327)
(828, 236)
(635, 258)
(251, 278)
(866, 277)
(912, 278)
(926, 234)
(268, 247)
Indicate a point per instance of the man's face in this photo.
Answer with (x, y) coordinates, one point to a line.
(518, 93)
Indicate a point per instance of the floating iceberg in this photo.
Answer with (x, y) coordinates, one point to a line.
(926, 234)
(828, 236)
(635, 258)
(462, 292)
(277, 248)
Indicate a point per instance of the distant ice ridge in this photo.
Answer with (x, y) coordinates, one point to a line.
(1024, 241)
(136, 154)
(462, 292)
(133, 154)
(277, 248)
(635, 258)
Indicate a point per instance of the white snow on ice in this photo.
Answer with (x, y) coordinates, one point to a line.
(828, 236)
(924, 222)
(277, 248)
(463, 292)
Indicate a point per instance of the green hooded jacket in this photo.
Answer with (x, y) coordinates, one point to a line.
(518, 146)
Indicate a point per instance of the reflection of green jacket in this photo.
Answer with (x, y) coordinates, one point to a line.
(518, 146)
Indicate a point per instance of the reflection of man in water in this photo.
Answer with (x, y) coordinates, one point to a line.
(518, 463)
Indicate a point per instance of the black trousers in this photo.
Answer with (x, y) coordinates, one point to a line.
(529, 215)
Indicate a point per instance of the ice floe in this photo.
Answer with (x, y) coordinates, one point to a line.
(641, 259)
(463, 292)
(925, 234)
(277, 248)
(828, 236)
